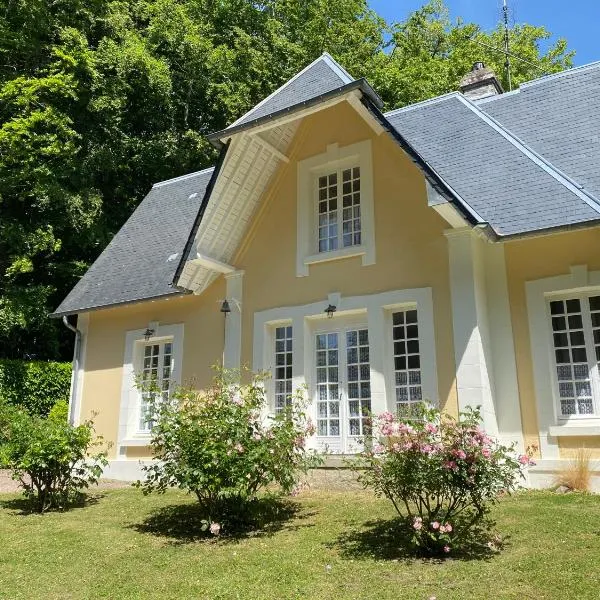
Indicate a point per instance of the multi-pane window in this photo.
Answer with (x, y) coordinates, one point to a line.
(156, 378)
(359, 381)
(575, 326)
(339, 227)
(407, 358)
(283, 368)
(328, 384)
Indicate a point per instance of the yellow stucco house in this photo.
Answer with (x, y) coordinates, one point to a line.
(447, 251)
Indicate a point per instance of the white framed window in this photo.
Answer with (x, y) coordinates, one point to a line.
(155, 370)
(282, 370)
(575, 326)
(406, 357)
(159, 359)
(338, 209)
(335, 206)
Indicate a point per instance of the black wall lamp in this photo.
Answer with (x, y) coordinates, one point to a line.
(330, 310)
(148, 334)
(225, 308)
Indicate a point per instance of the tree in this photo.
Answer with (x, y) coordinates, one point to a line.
(99, 99)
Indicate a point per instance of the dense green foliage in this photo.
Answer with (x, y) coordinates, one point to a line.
(98, 99)
(442, 475)
(34, 385)
(218, 446)
(52, 460)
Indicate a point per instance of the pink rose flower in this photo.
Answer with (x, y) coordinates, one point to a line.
(450, 464)
(387, 429)
(430, 428)
(486, 452)
(378, 448)
(387, 417)
(448, 528)
(418, 523)
(446, 549)
(215, 528)
(523, 459)
(435, 525)
(460, 454)
(239, 448)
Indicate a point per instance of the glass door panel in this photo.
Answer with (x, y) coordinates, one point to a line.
(358, 381)
(328, 384)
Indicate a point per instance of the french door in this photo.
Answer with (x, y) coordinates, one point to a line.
(343, 387)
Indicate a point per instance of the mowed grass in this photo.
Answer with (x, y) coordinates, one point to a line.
(328, 545)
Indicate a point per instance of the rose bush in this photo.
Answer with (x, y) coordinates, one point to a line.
(441, 474)
(219, 446)
(53, 461)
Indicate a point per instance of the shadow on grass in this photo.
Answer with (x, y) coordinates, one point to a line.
(22, 506)
(388, 540)
(182, 523)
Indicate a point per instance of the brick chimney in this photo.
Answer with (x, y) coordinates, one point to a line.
(480, 83)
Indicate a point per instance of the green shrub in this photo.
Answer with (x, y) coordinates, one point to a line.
(216, 446)
(442, 475)
(34, 385)
(52, 460)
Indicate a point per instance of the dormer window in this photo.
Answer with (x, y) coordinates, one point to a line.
(339, 226)
(335, 206)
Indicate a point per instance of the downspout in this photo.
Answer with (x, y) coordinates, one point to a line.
(75, 368)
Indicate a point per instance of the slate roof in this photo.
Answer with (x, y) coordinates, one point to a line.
(521, 162)
(141, 260)
(321, 76)
(559, 117)
(494, 175)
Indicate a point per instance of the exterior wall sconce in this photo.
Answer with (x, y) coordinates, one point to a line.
(225, 308)
(330, 310)
(148, 334)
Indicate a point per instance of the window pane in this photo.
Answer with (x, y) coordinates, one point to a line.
(571, 356)
(283, 371)
(407, 359)
(351, 223)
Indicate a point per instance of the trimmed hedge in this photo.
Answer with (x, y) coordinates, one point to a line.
(35, 385)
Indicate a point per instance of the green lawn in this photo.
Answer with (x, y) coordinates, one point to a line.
(330, 546)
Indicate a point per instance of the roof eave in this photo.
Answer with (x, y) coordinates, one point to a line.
(360, 84)
(65, 313)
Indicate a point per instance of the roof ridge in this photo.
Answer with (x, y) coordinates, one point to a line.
(181, 177)
(566, 72)
(420, 104)
(329, 61)
(542, 162)
(335, 65)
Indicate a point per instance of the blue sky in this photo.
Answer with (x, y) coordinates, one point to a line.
(576, 20)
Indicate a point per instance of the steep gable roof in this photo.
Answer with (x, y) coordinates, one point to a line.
(321, 76)
(558, 116)
(140, 261)
(497, 178)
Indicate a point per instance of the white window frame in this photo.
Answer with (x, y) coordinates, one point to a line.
(377, 310)
(335, 158)
(129, 433)
(540, 292)
(583, 298)
(270, 383)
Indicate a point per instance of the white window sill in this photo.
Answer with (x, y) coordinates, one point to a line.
(583, 428)
(335, 254)
(138, 440)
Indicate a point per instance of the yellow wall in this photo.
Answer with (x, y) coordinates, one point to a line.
(105, 350)
(411, 250)
(538, 258)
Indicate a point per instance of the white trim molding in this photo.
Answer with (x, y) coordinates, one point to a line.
(539, 292)
(486, 373)
(78, 376)
(128, 434)
(359, 154)
(232, 351)
(375, 310)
